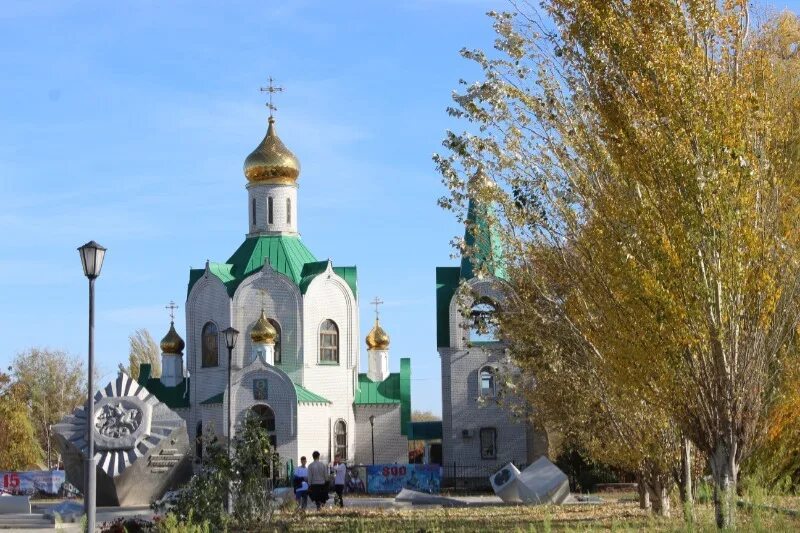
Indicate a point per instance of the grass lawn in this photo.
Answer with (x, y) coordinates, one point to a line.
(620, 513)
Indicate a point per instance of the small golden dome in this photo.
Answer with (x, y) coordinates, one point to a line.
(378, 339)
(172, 342)
(263, 332)
(271, 161)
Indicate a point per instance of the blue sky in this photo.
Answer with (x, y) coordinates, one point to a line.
(128, 123)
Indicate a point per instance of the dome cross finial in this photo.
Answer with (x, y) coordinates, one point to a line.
(376, 302)
(271, 89)
(172, 307)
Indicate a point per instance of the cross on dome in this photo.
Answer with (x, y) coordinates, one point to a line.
(172, 307)
(376, 302)
(271, 89)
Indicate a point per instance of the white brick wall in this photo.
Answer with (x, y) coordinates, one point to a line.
(261, 192)
(282, 303)
(390, 445)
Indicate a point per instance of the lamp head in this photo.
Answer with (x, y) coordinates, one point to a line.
(92, 255)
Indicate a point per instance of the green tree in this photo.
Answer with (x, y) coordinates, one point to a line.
(19, 448)
(54, 384)
(645, 161)
(142, 349)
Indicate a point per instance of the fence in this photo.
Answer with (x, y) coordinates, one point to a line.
(464, 477)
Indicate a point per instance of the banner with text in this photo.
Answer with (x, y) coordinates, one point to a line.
(39, 481)
(391, 479)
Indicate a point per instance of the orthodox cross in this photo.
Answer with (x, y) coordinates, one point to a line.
(263, 294)
(172, 307)
(376, 302)
(271, 89)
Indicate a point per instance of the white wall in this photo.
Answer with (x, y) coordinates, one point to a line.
(279, 194)
(391, 446)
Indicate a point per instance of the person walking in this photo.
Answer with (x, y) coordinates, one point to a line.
(339, 474)
(318, 481)
(300, 481)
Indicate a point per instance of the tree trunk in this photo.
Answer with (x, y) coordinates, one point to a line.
(644, 494)
(659, 496)
(725, 469)
(686, 472)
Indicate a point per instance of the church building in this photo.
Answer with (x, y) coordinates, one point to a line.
(480, 431)
(295, 364)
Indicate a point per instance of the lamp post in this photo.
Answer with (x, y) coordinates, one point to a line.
(92, 255)
(372, 428)
(230, 341)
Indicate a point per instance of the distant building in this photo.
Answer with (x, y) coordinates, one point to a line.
(296, 361)
(479, 431)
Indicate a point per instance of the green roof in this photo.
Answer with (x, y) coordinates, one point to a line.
(176, 397)
(287, 255)
(395, 389)
(303, 396)
(483, 244)
(429, 430)
(306, 396)
(447, 280)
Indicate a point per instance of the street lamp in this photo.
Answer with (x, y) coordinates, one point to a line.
(372, 428)
(230, 341)
(92, 255)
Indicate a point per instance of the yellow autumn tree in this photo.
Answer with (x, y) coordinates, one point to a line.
(19, 447)
(647, 157)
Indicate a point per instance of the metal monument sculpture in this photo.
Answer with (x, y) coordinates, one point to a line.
(141, 445)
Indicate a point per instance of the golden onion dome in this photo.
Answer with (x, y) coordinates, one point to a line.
(377, 339)
(271, 161)
(172, 342)
(263, 332)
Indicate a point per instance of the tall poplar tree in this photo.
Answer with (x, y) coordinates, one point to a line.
(647, 154)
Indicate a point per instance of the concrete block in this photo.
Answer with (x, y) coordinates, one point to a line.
(15, 504)
(541, 483)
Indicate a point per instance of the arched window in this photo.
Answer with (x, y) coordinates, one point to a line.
(288, 210)
(329, 342)
(277, 340)
(483, 321)
(254, 211)
(269, 210)
(266, 417)
(340, 436)
(210, 345)
(198, 443)
(486, 382)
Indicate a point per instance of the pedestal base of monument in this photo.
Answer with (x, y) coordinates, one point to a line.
(541, 483)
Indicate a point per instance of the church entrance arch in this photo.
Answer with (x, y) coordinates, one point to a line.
(266, 417)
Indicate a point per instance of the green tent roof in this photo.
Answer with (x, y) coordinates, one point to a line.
(395, 389)
(286, 254)
(176, 397)
(303, 396)
(484, 246)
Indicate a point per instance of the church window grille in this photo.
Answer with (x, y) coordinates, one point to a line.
(253, 204)
(269, 209)
(487, 382)
(288, 210)
(210, 345)
(277, 340)
(483, 321)
(329, 342)
(488, 442)
(340, 434)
